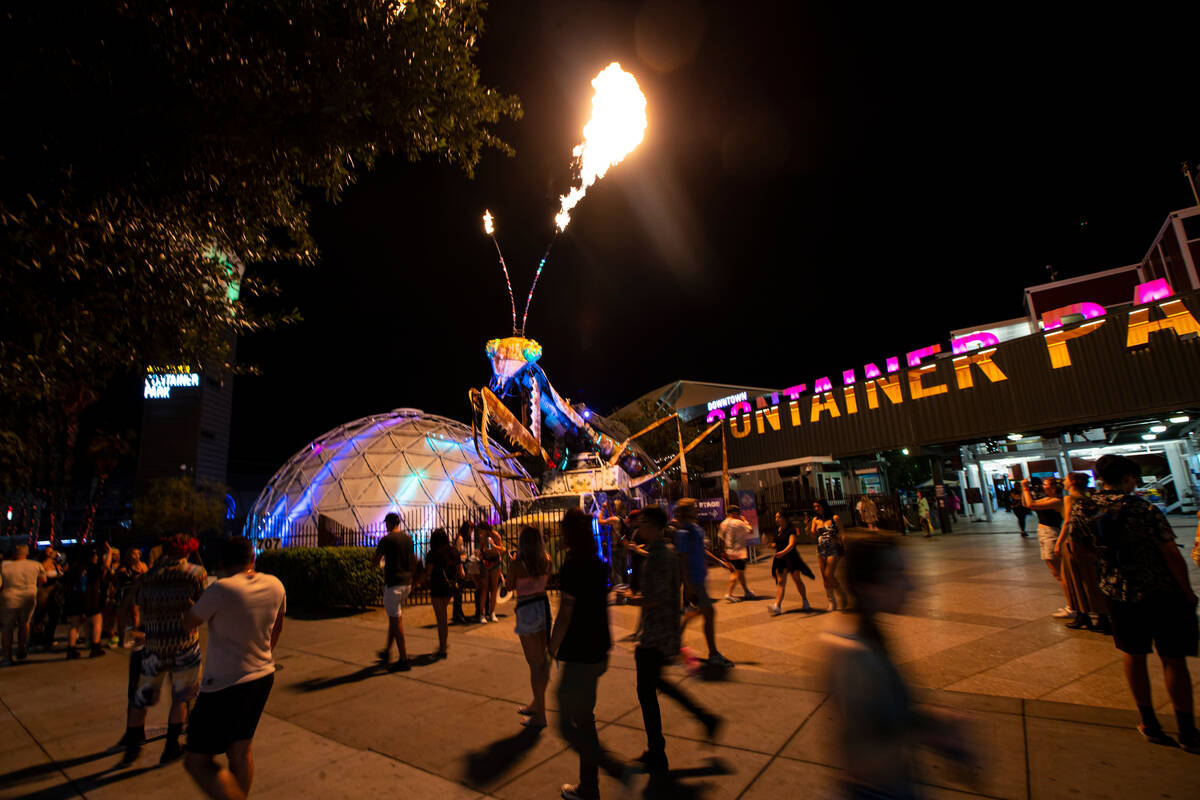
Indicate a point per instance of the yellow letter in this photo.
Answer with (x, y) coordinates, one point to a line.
(917, 389)
(733, 428)
(1056, 342)
(891, 388)
(1177, 318)
(851, 400)
(771, 415)
(794, 405)
(981, 359)
(828, 404)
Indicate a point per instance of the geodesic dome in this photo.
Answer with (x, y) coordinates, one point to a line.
(406, 461)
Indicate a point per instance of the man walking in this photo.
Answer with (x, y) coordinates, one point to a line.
(244, 611)
(164, 595)
(689, 542)
(733, 532)
(580, 642)
(1152, 603)
(395, 553)
(660, 639)
(21, 579)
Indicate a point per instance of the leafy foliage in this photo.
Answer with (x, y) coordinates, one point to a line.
(663, 442)
(178, 505)
(321, 578)
(153, 148)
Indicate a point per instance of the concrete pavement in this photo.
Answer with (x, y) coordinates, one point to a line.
(1048, 705)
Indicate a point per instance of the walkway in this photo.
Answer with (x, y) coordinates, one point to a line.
(1049, 708)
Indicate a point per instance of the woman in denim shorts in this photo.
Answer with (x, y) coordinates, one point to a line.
(527, 576)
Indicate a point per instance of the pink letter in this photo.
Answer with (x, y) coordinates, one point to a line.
(714, 415)
(848, 377)
(741, 407)
(822, 385)
(1150, 291)
(794, 392)
(914, 358)
(893, 365)
(983, 339)
(871, 371)
(1053, 318)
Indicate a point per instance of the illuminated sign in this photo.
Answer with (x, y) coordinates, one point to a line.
(973, 358)
(726, 401)
(159, 384)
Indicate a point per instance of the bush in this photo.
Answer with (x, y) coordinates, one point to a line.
(318, 578)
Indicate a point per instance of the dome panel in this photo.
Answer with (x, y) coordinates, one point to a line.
(404, 461)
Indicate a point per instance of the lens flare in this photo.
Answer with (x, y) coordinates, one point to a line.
(617, 126)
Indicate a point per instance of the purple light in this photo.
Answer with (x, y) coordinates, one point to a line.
(741, 407)
(587, 414)
(794, 392)
(983, 338)
(714, 415)
(1157, 289)
(1053, 319)
(915, 356)
(871, 372)
(893, 365)
(848, 377)
(822, 385)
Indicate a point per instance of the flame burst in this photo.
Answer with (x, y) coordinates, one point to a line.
(488, 227)
(617, 126)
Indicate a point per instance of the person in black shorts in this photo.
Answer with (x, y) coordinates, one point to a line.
(787, 562)
(1150, 597)
(244, 612)
(443, 571)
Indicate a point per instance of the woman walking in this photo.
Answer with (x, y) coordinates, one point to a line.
(85, 598)
(527, 576)
(443, 569)
(878, 727)
(1080, 561)
(787, 562)
(830, 549)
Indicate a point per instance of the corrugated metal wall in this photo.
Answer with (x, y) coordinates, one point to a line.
(1106, 381)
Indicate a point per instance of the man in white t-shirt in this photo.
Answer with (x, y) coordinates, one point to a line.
(733, 533)
(244, 611)
(18, 596)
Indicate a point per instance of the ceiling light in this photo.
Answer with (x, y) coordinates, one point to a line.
(1182, 418)
(1158, 428)
(1149, 437)
(904, 451)
(1015, 436)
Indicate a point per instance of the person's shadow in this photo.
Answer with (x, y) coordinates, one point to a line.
(668, 785)
(317, 684)
(499, 757)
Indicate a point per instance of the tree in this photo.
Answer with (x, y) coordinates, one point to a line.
(154, 147)
(180, 505)
(662, 443)
(906, 472)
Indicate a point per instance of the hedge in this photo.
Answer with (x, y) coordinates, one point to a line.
(318, 578)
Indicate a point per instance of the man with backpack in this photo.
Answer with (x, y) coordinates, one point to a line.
(1145, 578)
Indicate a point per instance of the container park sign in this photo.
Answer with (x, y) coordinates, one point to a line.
(1112, 364)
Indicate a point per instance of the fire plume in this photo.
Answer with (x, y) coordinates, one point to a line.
(617, 126)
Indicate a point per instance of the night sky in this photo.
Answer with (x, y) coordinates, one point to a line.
(820, 185)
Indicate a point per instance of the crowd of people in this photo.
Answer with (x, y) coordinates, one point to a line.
(1112, 552)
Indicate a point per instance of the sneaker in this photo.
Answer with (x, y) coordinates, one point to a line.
(482, 620)
(172, 752)
(1066, 612)
(1081, 621)
(731, 599)
(1156, 735)
(806, 606)
(774, 611)
(493, 617)
(653, 762)
(718, 660)
(572, 792)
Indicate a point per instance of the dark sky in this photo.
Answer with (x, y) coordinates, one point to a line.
(820, 185)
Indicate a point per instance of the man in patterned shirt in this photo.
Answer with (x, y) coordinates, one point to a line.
(162, 597)
(660, 638)
(1145, 578)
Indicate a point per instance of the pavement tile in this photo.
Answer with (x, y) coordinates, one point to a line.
(365, 774)
(784, 778)
(1073, 760)
(26, 772)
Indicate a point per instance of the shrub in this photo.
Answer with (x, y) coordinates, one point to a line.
(318, 578)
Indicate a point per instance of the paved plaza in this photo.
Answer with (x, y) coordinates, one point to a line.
(1048, 706)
